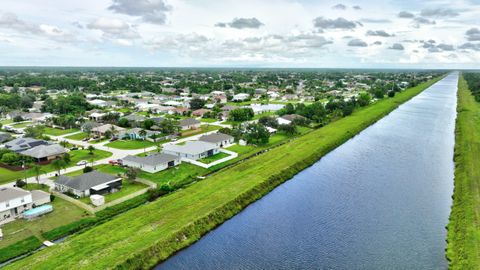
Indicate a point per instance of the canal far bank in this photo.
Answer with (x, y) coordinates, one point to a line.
(148, 234)
(463, 250)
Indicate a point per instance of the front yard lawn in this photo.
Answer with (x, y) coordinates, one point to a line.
(22, 124)
(208, 120)
(63, 213)
(130, 144)
(59, 132)
(75, 156)
(77, 137)
(213, 158)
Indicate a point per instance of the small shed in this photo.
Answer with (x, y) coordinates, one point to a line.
(97, 200)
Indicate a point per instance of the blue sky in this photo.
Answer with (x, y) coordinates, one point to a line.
(276, 33)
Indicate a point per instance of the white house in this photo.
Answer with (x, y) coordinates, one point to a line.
(13, 202)
(191, 149)
(189, 123)
(219, 139)
(152, 163)
(98, 102)
(241, 97)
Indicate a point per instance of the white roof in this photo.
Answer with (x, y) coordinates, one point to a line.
(190, 147)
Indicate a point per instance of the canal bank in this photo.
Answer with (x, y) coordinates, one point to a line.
(158, 229)
(379, 201)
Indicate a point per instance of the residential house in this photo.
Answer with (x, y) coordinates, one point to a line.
(288, 119)
(189, 123)
(135, 119)
(152, 163)
(200, 112)
(42, 153)
(102, 130)
(240, 97)
(4, 136)
(219, 139)
(87, 184)
(22, 144)
(98, 102)
(14, 201)
(191, 149)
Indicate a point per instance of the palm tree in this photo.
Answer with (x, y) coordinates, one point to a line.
(58, 165)
(143, 134)
(113, 130)
(37, 169)
(91, 149)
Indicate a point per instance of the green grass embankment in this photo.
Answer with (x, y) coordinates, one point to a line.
(463, 249)
(146, 235)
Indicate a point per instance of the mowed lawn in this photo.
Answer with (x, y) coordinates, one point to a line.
(63, 213)
(130, 144)
(59, 132)
(463, 249)
(159, 223)
(75, 156)
(214, 158)
(78, 136)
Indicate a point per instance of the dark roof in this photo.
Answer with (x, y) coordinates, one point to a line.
(215, 138)
(189, 122)
(157, 120)
(21, 144)
(152, 160)
(135, 117)
(86, 180)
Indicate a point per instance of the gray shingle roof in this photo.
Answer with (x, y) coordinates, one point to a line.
(42, 151)
(135, 117)
(189, 122)
(4, 136)
(7, 194)
(215, 138)
(152, 160)
(86, 180)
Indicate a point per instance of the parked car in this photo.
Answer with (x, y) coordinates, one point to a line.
(74, 148)
(86, 139)
(113, 139)
(113, 162)
(82, 162)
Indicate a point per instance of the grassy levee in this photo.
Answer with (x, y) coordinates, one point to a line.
(146, 235)
(463, 248)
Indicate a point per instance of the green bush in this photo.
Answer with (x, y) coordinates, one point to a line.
(21, 247)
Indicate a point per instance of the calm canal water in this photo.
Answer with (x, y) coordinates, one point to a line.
(379, 201)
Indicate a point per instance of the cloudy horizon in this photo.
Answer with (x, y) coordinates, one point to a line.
(277, 33)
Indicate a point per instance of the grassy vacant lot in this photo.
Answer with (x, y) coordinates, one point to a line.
(78, 137)
(63, 213)
(130, 144)
(59, 132)
(463, 249)
(160, 228)
(214, 158)
(75, 155)
(202, 129)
